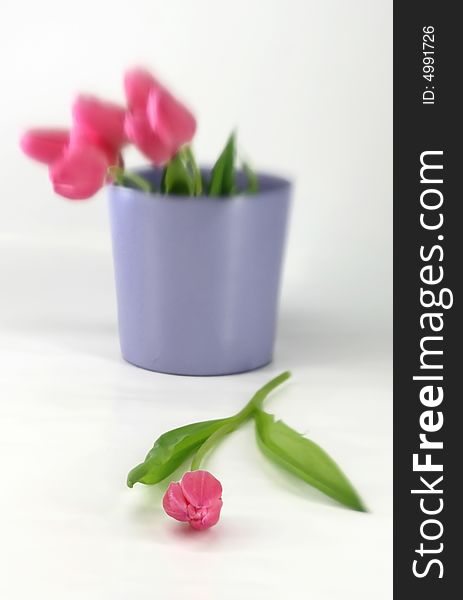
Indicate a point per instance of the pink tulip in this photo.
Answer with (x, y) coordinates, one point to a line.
(45, 145)
(78, 160)
(79, 139)
(80, 172)
(99, 122)
(156, 122)
(196, 499)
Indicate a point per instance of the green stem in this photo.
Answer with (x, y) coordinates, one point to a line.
(139, 181)
(237, 420)
(121, 177)
(211, 442)
(117, 173)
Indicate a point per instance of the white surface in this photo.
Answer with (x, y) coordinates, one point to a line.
(309, 84)
(74, 418)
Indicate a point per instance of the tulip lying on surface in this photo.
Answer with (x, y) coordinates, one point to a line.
(196, 499)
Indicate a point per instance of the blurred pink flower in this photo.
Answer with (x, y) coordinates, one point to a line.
(99, 122)
(78, 159)
(80, 172)
(197, 498)
(156, 122)
(45, 145)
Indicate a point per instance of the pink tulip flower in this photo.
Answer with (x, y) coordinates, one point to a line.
(196, 499)
(80, 172)
(45, 145)
(156, 122)
(99, 122)
(78, 159)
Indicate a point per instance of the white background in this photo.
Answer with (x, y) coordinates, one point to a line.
(309, 84)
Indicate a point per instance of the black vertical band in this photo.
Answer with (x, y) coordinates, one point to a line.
(428, 332)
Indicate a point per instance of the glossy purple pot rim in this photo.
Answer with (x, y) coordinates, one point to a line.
(269, 183)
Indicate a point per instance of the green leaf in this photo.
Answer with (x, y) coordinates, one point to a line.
(170, 450)
(177, 178)
(223, 177)
(253, 181)
(191, 164)
(305, 459)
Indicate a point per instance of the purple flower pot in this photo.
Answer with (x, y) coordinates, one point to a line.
(197, 279)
